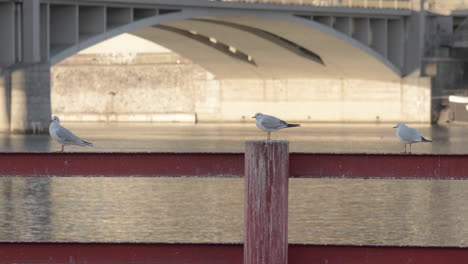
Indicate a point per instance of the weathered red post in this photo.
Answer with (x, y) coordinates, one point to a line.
(266, 202)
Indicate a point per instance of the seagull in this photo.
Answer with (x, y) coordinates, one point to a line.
(63, 135)
(270, 123)
(408, 135)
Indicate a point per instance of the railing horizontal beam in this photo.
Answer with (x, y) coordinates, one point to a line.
(121, 164)
(157, 253)
(103, 253)
(302, 165)
(424, 166)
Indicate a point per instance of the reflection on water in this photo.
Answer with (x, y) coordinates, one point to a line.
(396, 212)
(131, 137)
(121, 209)
(392, 212)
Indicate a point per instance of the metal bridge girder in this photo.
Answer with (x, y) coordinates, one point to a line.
(353, 40)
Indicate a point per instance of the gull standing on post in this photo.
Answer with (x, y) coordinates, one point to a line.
(408, 135)
(63, 135)
(270, 123)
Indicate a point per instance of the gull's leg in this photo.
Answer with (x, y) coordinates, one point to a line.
(405, 148)
(268, 138)
(409, 148)
(62, 147)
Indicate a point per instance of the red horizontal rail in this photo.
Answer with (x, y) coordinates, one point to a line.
(431, 166)
(352, 165)
(158, 253)
(121, 164)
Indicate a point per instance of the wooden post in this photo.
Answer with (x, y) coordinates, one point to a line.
(266, 202)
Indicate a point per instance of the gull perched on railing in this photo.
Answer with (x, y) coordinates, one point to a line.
(270, 123)
(408, 135)
(63, 135)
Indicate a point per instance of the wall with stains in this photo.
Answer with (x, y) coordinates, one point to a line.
(158, 87)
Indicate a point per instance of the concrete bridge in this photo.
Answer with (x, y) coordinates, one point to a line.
(379, 40)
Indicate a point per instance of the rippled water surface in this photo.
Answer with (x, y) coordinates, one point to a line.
(337, 211)
(393, 212)
(231, 137)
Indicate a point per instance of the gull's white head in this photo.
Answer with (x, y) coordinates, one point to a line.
(399, 125)
(55, 119)
(257, 115)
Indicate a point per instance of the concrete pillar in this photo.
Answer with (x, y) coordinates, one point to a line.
(7, 33)
(45, 32)
(448, 75)
(396, 43)
(30, 99)
(92, 20)
(117, 16)
(361, 30)
(31, 31)
(344, 25)
(63, 26)
(266, 202)
(416, 99)
(414, 47)
(5, 84)
(379, 35)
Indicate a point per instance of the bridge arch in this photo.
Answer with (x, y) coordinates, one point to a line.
(314, 50)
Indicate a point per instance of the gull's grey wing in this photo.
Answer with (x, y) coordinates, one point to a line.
(271, 122)
(410, 134)
(67, 136)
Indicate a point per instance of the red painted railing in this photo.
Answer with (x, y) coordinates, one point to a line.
(225, 165)
(301, 165)
(155, 253)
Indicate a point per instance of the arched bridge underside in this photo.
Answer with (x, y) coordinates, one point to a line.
(231, 40)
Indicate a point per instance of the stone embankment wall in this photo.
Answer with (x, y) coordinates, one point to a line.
(163, 87)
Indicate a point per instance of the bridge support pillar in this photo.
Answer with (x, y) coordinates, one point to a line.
(30, 105)
(415, 45)
(5, 84)
(31, 31)
(7, 33)
(416, 99)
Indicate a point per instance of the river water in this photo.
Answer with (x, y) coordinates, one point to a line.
(138, 137)
(330, 211)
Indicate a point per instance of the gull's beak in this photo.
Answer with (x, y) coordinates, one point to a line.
(394, 127)
(253, 116)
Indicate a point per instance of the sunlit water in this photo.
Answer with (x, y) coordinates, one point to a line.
(336, 211)
(134, 137)
(330, 211)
